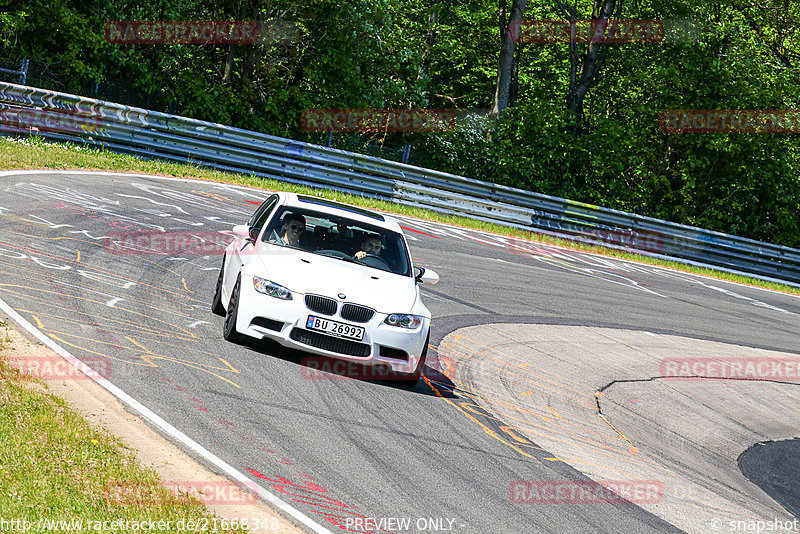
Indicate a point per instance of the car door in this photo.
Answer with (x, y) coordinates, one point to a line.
(247, 247)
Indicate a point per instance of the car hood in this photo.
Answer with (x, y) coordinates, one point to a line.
(304, 272)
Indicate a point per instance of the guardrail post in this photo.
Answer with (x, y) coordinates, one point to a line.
(23, 71)
(406, 153)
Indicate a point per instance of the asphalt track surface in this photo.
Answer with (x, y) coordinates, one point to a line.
(339, 449)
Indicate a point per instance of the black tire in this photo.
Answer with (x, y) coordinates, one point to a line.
(216, 301)
(229, 329)
(414, 378)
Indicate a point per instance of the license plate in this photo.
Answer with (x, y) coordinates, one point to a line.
(335, 328)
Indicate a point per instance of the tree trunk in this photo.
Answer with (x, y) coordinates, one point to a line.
(502, 25)
(226, 75)
(584, 68)
(513, 91)
(228, 69)
(505, 67)
(430, 38)
(251, 50)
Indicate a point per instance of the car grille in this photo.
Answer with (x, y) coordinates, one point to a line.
(333, 344)
(322, 305)
(356, 313)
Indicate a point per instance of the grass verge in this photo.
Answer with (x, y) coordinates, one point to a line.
(57, 472)
(36, 153)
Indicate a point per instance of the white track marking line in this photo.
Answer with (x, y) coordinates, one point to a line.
(162, 424)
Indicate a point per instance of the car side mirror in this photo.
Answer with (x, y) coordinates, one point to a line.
(426, 276)
(243, 231)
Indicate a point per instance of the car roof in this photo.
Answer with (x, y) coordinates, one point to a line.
(340, 209)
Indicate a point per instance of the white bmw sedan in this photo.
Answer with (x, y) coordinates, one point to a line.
(329, 279)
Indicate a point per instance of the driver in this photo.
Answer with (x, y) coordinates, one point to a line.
(371, 244)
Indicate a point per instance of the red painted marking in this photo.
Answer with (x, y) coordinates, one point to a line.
(253, 202)
(419, 231)
(281, 481)
(327, 507)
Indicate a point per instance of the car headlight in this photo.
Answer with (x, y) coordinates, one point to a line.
(403, 320)
(262, 285)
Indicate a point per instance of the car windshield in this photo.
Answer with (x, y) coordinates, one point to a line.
(339, 237)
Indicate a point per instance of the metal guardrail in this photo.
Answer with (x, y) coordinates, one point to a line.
(151, 134)
(22, 72)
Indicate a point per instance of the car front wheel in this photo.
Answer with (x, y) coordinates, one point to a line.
(216, 302)
(229, 331)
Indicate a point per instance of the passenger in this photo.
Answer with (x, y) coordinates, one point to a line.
(371, 244)
(294, 225)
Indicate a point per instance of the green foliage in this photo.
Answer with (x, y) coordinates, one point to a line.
(431, 53)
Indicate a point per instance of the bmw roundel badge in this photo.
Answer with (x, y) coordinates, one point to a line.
(342, 296)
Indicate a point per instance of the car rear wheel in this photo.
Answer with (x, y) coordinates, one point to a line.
(413, 378)
(216, 302)
(229, 331)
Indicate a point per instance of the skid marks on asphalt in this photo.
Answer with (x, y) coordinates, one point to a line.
(53, 250)
(576, 421)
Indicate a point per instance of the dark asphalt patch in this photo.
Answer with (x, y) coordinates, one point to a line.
(774, 466)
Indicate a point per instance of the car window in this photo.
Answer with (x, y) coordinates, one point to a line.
(339, 237)
(262, 213)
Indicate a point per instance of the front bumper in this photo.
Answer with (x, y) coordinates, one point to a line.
(261, 316)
